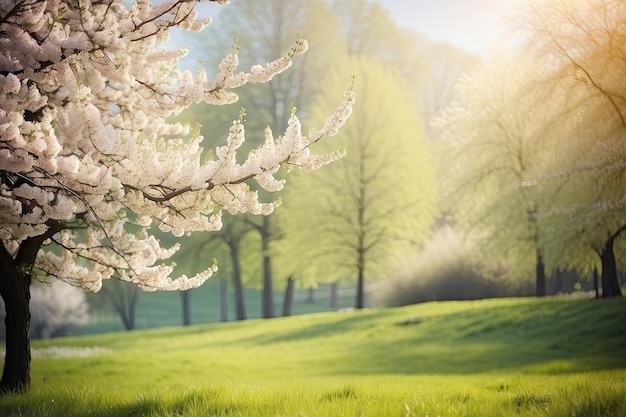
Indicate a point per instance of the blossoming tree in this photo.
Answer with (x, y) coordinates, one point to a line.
(89, 161)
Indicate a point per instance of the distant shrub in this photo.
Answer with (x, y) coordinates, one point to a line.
(442, 271)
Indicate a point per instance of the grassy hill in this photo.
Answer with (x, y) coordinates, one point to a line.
(552, 357)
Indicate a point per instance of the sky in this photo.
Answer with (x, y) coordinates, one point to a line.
(472, 25)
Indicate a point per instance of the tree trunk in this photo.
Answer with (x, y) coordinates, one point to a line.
(596, 287)
(288, 301)
(240, 306)
(223, 300)
(123, 297)
(360, 290)
(15, 291)
(132, 307)
(540, 285)
(334, 295)
(610, 281)
(268, 291)
(186, 295)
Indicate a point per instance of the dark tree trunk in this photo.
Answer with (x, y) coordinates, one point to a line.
(15, 291)
(186, 299)
(268, 290)
(123, 297)
(223, 300)
(610, 281)
(334, 293)
(360, 290)
(240, 306)
(596, 285)
(132, 307)
(288, 301)
(540, 285)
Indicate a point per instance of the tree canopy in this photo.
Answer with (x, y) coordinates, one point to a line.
(89, 159)
(379, 202)
(538, 140)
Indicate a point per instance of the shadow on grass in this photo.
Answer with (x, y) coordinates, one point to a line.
(553, 336)
(105, 404)
(558, 337)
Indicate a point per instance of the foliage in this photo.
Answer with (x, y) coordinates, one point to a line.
(538, 145)
(264, 28)
(430, 69)
(378, 204)
(85, 136)
(496, 357)
(90, 159)
(370, 30)
(500, 146)
(581, 43)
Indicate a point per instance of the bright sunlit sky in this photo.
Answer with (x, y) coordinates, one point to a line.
(472, 25)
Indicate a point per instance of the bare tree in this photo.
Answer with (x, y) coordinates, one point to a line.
(122, 297)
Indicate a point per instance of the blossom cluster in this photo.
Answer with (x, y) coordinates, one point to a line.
(86, 90)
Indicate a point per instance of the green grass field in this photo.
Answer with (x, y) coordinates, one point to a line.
(500, 357)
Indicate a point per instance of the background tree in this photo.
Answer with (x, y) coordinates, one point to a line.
(235, 235)
(379, 203)
(444, 67)
(584, 41)
(88, 160)
(499, 143)
(122, 297)
(262, 28)
(369, 29)
(365, 28)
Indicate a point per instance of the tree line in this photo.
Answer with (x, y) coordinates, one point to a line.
(537, 142)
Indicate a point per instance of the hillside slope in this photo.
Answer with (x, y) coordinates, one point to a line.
(551, 335)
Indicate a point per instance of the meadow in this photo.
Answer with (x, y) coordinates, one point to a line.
(501, 357)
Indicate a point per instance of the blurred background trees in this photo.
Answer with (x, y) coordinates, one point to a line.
(584, 44)
(376, 206)
(540, 149)
(524, 145)
(497, 139)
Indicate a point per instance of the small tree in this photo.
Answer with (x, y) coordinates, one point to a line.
(268, 27)
(122, 296)
(498, 141)
(375, 206)
(88, 159)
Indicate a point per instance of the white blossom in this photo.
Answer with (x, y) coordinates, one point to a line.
(86, 144)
